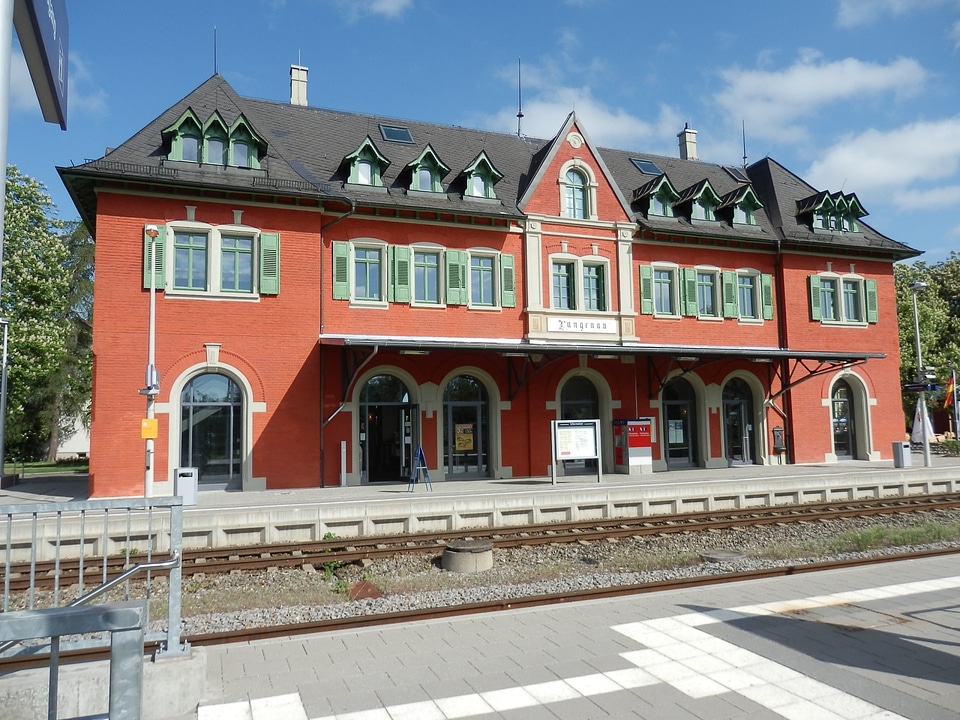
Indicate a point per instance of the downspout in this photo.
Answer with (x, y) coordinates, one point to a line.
(322, 289)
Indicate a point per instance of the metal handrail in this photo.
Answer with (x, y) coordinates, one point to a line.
(168, 564)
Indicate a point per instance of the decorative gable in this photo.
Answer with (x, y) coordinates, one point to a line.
(659, 196)
(213, 142)
(831, 212)
(479, 177)
(701, 199)
(741, 204)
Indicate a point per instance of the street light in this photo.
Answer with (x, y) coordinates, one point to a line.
(3, 397)
(152, 377)
(916, 288)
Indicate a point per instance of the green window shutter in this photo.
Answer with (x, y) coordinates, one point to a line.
(456, 277)
(646, 289)
(508, 291)
(731, 308)
(341, 271)
(399, 274)
(689, 289)
(159, 267)
(766, 295)
(815, 298)
(873, 310)
(269, 263)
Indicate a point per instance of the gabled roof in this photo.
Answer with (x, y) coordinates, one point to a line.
(553, 146)
(697, 191)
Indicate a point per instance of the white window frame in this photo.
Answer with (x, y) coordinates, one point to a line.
(433, 249)
(674, 271)
(579, 262)
(369, 244)
(214, 235)
(717, 291)
(757, 317)
(495, 286)
(840, 299)
(590, 188)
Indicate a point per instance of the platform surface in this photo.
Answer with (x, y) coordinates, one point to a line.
(870, 643)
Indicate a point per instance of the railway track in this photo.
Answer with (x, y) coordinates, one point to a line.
(323, 626)
(338, 551)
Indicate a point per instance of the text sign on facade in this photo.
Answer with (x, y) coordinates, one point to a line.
(581, 325)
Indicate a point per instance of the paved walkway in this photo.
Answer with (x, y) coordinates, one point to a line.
(864, 644)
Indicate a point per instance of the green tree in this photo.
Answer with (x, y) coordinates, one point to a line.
(35, 298)
(71, 385)
(938, 315)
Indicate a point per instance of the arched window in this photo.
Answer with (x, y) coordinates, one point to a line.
(211, 429)
(576, 194)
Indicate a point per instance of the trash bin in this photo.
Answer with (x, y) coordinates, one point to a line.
(901, 454)
(185, 482)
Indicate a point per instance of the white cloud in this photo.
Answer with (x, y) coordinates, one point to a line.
(356, 9)
(773, 102)
(903, 165)
(851, 13)
(84, 96)
(955, 34)
(23, 96)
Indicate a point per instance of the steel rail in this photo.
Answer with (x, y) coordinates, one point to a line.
(334, 552)
(515, 603)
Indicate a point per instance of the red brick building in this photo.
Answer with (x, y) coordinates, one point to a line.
(335, 290)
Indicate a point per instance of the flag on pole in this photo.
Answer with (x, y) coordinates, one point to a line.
(951, 391)
(917, 434)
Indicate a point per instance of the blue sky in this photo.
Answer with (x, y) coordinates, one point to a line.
(858, 95)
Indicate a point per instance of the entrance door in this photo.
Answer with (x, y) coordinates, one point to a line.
(738, 424)
(211, 430)
(842, 416)
(679, 432)
(466, 429)
(389, 430)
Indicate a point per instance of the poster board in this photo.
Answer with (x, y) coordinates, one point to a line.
(574, 440)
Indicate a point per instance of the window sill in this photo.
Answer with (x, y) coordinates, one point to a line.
(750, 321)
(487, 308)
(710, 318)
(370, 304)
(845, 323)
(428, 305)
(180, 294)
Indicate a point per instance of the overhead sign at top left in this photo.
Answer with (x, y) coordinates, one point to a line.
(44, 33)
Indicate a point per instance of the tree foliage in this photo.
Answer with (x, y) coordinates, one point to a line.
(35, 298)
(938, 319)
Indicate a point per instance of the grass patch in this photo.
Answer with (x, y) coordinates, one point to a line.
(886, 537)
(39, 467)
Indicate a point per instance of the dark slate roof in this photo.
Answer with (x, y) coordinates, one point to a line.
(306, 147)
(781, 193)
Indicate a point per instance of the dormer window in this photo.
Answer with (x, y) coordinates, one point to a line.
(479, 177)
(659, 194)
(834, 212)
(427, 171)
(703, 201)
(366, 165)
(742, 203)
(660, 205)
(213, 143)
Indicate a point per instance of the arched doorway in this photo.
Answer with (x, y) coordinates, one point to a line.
(843, 416)
(389, 430)
(579, 400)
(211, 430)
(738, 431)
(466, 428)
(680, 425)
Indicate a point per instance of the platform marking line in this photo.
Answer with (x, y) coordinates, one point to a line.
(675, 652)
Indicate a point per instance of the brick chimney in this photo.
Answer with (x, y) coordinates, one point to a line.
(298, 85)
(688, 143)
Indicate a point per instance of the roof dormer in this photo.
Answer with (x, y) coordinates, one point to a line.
(659, 195)
(831, 212)
(741, 204)
(426, 171)
(480, 176)
(185, 137)
(366, 165)
(702, 200)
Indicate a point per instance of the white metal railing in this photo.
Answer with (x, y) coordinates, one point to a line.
(86, 538)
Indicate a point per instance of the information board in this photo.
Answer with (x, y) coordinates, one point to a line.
(575, 440)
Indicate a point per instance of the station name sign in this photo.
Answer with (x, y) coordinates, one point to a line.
(44, 33)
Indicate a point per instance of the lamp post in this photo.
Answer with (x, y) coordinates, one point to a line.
(149, 430)
(3, 397)
(916, 288)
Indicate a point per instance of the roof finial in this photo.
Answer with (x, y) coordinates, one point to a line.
(214, 49)
(519, 99)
